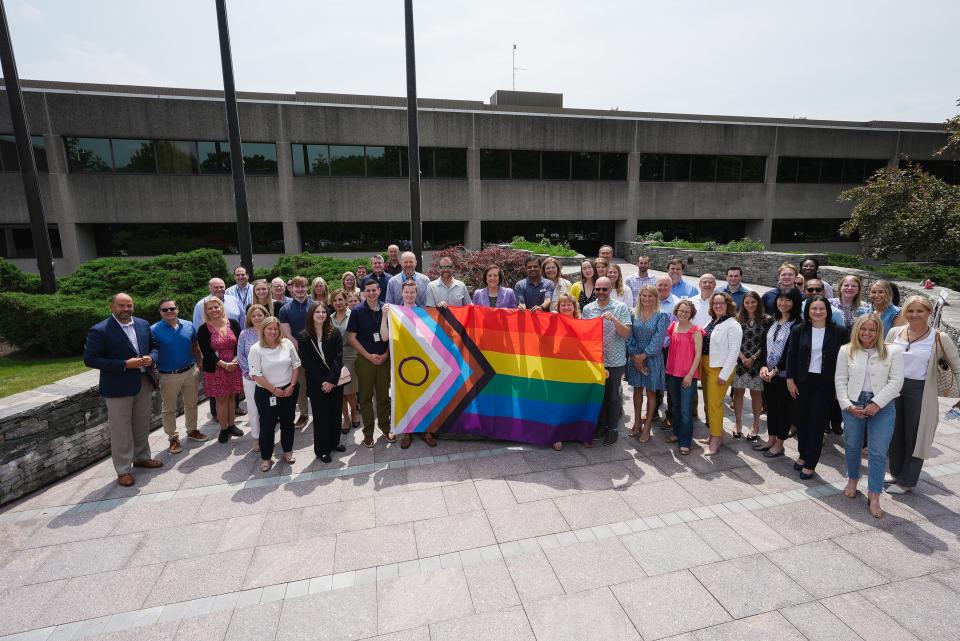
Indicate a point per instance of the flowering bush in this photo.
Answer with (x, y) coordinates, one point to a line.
(469, 266)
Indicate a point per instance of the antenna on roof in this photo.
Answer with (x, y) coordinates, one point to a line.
(515, 67)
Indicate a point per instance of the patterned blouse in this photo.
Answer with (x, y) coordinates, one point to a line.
(754, 333)
(777, 337)
(248, 337)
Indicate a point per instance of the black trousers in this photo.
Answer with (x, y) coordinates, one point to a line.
(779, 407)
(904, 466)
(326, 419)
(612, 400)
(283, 412)
(811, 415)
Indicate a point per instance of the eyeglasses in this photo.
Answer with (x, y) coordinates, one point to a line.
(601, 289)
(168, 309)
(814, 289)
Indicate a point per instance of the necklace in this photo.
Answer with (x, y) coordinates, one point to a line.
(911, 342)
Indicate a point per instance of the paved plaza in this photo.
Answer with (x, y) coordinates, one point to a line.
(483, 540)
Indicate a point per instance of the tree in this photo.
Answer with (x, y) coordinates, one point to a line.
(905, 212)
(953, 136)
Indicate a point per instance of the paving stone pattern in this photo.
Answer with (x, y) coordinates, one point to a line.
(482, 540)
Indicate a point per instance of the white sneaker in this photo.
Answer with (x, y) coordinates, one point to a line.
(897, 489)
(889, 478)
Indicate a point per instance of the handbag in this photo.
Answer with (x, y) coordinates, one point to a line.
(344, 372)
(946, 381)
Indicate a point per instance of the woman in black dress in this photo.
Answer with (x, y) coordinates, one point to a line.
(321, 354)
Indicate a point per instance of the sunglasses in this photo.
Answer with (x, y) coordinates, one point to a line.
(814, 289)
(168, 309)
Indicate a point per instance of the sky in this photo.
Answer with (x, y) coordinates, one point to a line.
(839, 59)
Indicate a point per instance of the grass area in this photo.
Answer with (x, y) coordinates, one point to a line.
(542, 247)
(943, 275)
(19, 373)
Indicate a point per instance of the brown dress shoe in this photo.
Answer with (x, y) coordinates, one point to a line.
(149, 463)
(125, 480)
(175, 447)
(428, 439)
(406, 441)
(197, 435)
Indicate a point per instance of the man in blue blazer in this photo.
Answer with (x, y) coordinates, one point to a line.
(123, 349)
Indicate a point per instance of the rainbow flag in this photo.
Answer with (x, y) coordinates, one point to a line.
(521, 376)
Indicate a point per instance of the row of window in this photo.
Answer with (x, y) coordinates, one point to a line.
(827, 170)
(126, 155)
(8, 153)
(946, 170)
(702, 168)
(504, 164)
(376, 161)
(16, 241)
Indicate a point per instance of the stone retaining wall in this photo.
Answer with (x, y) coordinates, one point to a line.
(53, 431)
(758, 267)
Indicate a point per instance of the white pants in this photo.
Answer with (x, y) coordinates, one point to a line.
(253, 417)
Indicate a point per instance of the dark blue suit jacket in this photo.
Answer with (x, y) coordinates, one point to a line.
(107, 349)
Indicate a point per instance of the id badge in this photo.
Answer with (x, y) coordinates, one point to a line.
(376, 337)
(273, 401)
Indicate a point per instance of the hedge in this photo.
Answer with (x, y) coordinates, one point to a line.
(14, 279)
(311, 266)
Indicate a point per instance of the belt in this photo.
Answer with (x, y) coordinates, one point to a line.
(179, 371)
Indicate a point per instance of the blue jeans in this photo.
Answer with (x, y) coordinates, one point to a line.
(682, 400)
(879, 428)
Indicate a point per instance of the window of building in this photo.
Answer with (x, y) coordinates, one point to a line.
(449, 162)
(946, 170)
(585, 236)
(214, 157)
(329, 237)
(809, 230)
(376, 161)
(259, 158)
(556, 165)
(613, 166)
(8, 153)
(701, 168)
(696, 231)
(827, 170)
(525, 165)
(134, 156)
(494, 164)
(16, 241)
(177, 157)
(88, 154)
(152, 239)
(585, 165)
(346, 160)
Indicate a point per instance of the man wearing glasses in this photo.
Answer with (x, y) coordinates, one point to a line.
(177, 356)
(814, 287)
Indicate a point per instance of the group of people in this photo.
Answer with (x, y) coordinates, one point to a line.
(812, 360)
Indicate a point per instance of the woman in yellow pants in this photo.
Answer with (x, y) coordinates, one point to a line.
(721, 346)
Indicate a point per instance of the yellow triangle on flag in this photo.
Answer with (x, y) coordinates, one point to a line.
(413, 374)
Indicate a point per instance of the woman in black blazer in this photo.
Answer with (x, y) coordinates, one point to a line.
(811, 364)
(321, 356)
(217, 338)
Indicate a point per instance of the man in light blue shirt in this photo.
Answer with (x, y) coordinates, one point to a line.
(617, 322)
(667, 300)
(408, 262)
(734, 287)
(642, 277)
(231, 306)
(243, 290)
(681, 288)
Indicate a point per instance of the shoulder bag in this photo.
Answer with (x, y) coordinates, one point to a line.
(946, 381)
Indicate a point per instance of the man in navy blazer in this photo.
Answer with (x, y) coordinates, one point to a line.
(123, 349)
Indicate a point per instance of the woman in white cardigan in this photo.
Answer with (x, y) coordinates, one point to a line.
(721, 347)
(868, 379)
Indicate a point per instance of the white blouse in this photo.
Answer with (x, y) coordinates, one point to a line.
(274, 364)
(917, 360)
(816, 349)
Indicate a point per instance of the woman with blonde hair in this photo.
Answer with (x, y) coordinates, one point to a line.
(619, 291)
(925, 351)
(552, 272)
(348, 283)
(275, 366)
(217, 338)
(261, 294)
(848, 300)
(645, 371)
(881, 304)
(319, 292)
(721, 347)
(601, 265)
(340, 317)
(256, 314)
(868, 379)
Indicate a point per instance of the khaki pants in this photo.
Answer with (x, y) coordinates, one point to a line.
(374, 380)
(302, 403)
(129, 420)
(171, 387)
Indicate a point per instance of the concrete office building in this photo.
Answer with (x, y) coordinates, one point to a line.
(144, 170)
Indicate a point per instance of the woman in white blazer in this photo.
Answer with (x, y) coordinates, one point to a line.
(721, 347)
(868, 378)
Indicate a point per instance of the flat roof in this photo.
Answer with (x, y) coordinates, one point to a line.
(441, 104)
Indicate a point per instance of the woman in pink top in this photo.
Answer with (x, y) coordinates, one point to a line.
(683, 361)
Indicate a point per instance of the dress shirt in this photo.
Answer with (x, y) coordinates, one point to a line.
(702, 318)
(614, 345)
(395, 285)
(738, 295)
(131, 333)
(243, 295)
(683, 289)
(636, 281)
(455, 295)
(365, 323)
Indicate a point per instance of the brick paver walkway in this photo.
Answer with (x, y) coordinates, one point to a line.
(483, 540)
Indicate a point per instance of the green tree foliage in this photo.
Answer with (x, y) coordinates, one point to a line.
(310, 266)
(905, 212)
(14, 279)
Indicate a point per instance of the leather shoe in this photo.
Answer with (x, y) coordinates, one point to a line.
(197, 435)
(125, 480)
(234, 430)
(428, 439)
(406, 441)
(150, 463)
(224, 436)
(325, 458)
(340, 448)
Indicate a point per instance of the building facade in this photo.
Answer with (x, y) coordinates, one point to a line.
(136, 171)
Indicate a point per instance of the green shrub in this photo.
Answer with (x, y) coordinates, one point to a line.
(942, 275)
(845, 260)
(310, 266)
(49, 324)
(14, 279)
(163, 275)
(742, 245)
(650, 236)
(543, 247)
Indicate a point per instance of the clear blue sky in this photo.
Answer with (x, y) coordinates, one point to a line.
(837, 59)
